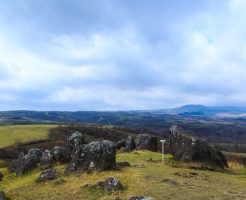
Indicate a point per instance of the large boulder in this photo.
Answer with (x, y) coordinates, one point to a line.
(1, 176)
(130, 144)
(146, 141)
(76, 139)
(23, 164)
(187, 148)
(2, 195)
(62, 154)
(97, 155)
(47, 160)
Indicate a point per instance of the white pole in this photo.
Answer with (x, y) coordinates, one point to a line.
(162, 144)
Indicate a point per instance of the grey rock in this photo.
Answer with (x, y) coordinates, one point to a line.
(141, 198)
(2, 195)
(76, 139)
(146, 141)
(23, 164)
(1, 176)
(46, 161)
(130, 144)
(112, 184)
(97, 155)
(62, 154)
(35, 151)
(46, 175)
(169, 182)
(186, 148)
(122, 165)
(120, 144)
(109, 185)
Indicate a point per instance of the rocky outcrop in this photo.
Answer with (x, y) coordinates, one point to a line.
(46, 175)
(2, 195)
(46, 161)
(187, 148)
(23, 164)
(98, 155)
(62, 154)
(146, 141)
(76, 139)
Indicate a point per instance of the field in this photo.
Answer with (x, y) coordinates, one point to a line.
(142, 178)
(10, 134)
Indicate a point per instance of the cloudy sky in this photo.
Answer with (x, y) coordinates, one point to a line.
(121, 54)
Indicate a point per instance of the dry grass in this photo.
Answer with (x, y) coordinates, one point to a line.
(235, 165)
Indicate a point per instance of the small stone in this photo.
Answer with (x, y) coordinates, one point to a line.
(169, 182)
(141, 198)
(99, 184)
(122, 164)
(112, 184)
(48, 174)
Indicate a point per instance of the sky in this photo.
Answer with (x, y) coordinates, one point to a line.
(121, 54)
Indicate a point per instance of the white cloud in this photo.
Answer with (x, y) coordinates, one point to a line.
(131, 61)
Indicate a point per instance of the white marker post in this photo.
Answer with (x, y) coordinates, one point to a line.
(162, 144)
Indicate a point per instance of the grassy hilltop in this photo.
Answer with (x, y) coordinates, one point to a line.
(142, 178)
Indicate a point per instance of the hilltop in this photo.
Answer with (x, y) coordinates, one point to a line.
(146, 176)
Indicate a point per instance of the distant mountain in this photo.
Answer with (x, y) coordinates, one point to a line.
(119, 117)
(202, 110)
(218, 124)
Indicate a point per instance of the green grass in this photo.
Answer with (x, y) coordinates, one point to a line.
(142, 178)
(10, 134)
